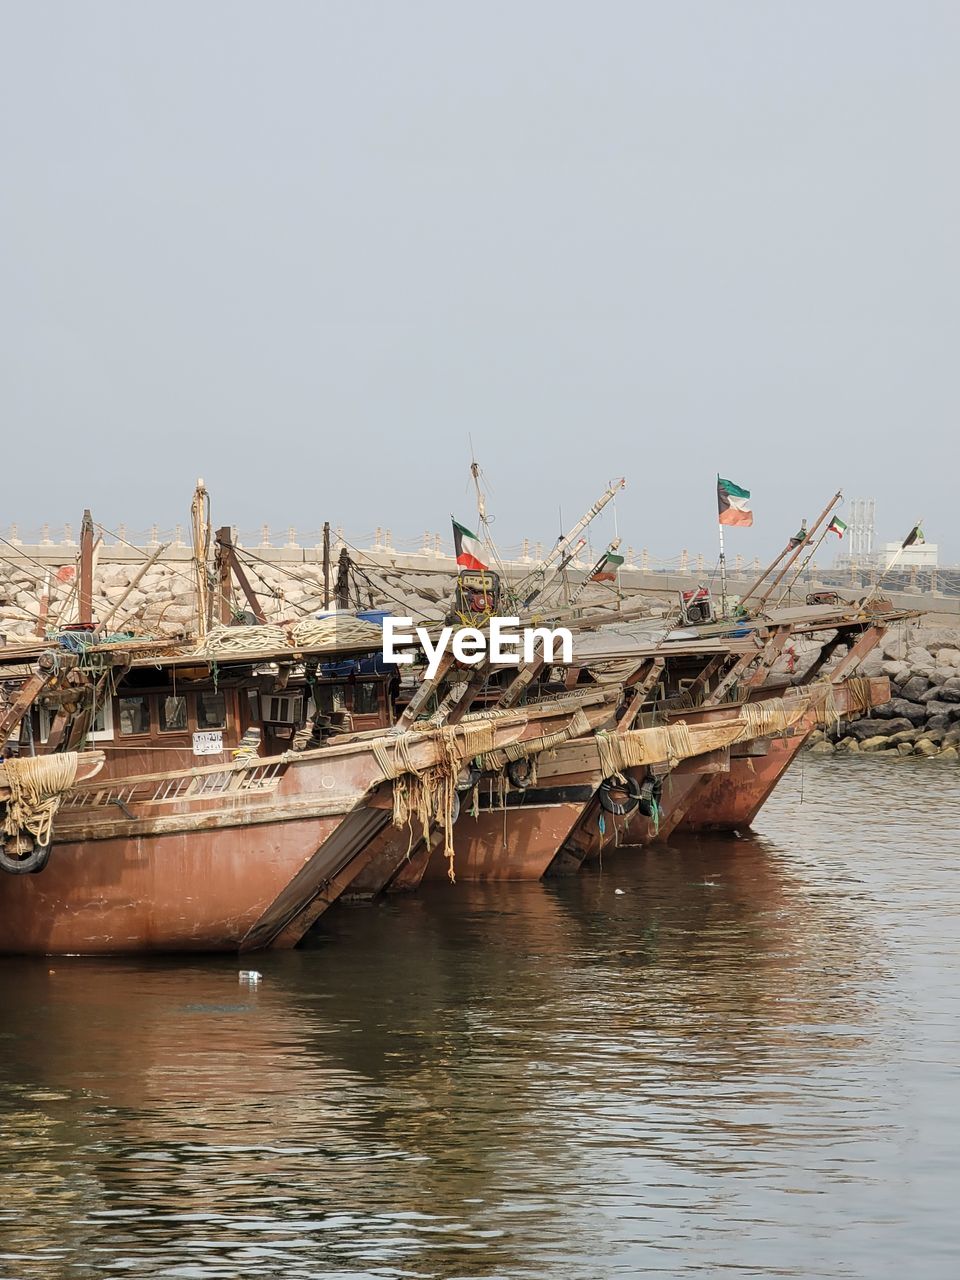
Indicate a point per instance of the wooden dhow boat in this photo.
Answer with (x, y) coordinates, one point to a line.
(194, 840)
(726, 790)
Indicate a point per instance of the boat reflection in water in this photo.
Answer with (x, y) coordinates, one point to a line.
(546, 1077)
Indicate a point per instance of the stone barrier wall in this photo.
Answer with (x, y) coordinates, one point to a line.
(289, 582)
(923, 716)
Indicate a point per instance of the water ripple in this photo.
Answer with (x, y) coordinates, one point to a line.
(745, 1064)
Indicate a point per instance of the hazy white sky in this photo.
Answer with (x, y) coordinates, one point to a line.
(305, 249)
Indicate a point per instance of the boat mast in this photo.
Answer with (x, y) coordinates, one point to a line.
(85, 597)
(791, 546)
(200, 529)
(837, 497)
(547, 570)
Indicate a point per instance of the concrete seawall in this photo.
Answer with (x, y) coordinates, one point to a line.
(289, 581)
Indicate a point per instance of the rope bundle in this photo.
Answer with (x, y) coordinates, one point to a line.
(429, 794)
(620, 751)
(227, 640)
(337, 631)
(317, 633)
(37, 786)
(494, 760)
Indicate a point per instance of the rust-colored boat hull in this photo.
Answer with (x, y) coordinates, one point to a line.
(732, 802)
(597, 832)
(181, 891)
(516, 843)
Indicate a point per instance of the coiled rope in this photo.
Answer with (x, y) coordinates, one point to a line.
(335, 632)
(37, 786)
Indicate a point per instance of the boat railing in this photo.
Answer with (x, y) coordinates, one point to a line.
(170, 788)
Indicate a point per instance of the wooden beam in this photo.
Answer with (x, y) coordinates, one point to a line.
(640, 691)
(86, 569)
(29, 691)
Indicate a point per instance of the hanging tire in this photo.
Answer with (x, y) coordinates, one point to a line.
(468, 777)
(455, 808)
(651, 792)
(619, 795)
(520, 773)
(30, 864)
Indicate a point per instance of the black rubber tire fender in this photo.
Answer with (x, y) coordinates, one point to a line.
(612, 788)
(30, 865)
(651, 792)
(520, 773)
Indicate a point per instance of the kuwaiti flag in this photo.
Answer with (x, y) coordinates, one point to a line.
(467, 548)
(915, 535)
(606, 570)
(733, 503)
(837, 526)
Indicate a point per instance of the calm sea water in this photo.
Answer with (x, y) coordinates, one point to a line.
(744, 1064)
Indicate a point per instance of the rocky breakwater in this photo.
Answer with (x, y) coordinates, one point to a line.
(162, 601)
(922, 717)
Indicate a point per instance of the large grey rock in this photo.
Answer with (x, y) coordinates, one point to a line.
(914, 687)
(896, 670)
(872, 665)
(907, 735)
(920, 659)
(863, 729)
(902, 708)
(937, 708)
(938, 722)
(948, 657)
(893, 645)
(937, 693)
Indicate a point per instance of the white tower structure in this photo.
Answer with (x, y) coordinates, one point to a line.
(862, 530)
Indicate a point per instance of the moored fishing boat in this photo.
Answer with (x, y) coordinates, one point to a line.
(730, 785)
(193, 840)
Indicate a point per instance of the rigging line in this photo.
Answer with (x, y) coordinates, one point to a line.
(357, 568)
(381, 591)
(274, 594)
(177, 573)
(36, 616)
(33, 560)
(483, 491)
(252, 555)
(13, 565)
(314, 592)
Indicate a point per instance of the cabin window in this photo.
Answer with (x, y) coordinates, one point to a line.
(329, 698)
(211, 711)
(134, 714)
(366, 698)
(102, 726)
(173, 714)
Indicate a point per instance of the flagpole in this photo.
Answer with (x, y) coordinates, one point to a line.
(611, 550)
(803, 565)
(723, 570)
(786, 568)
(791, 546)
(903, 546)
